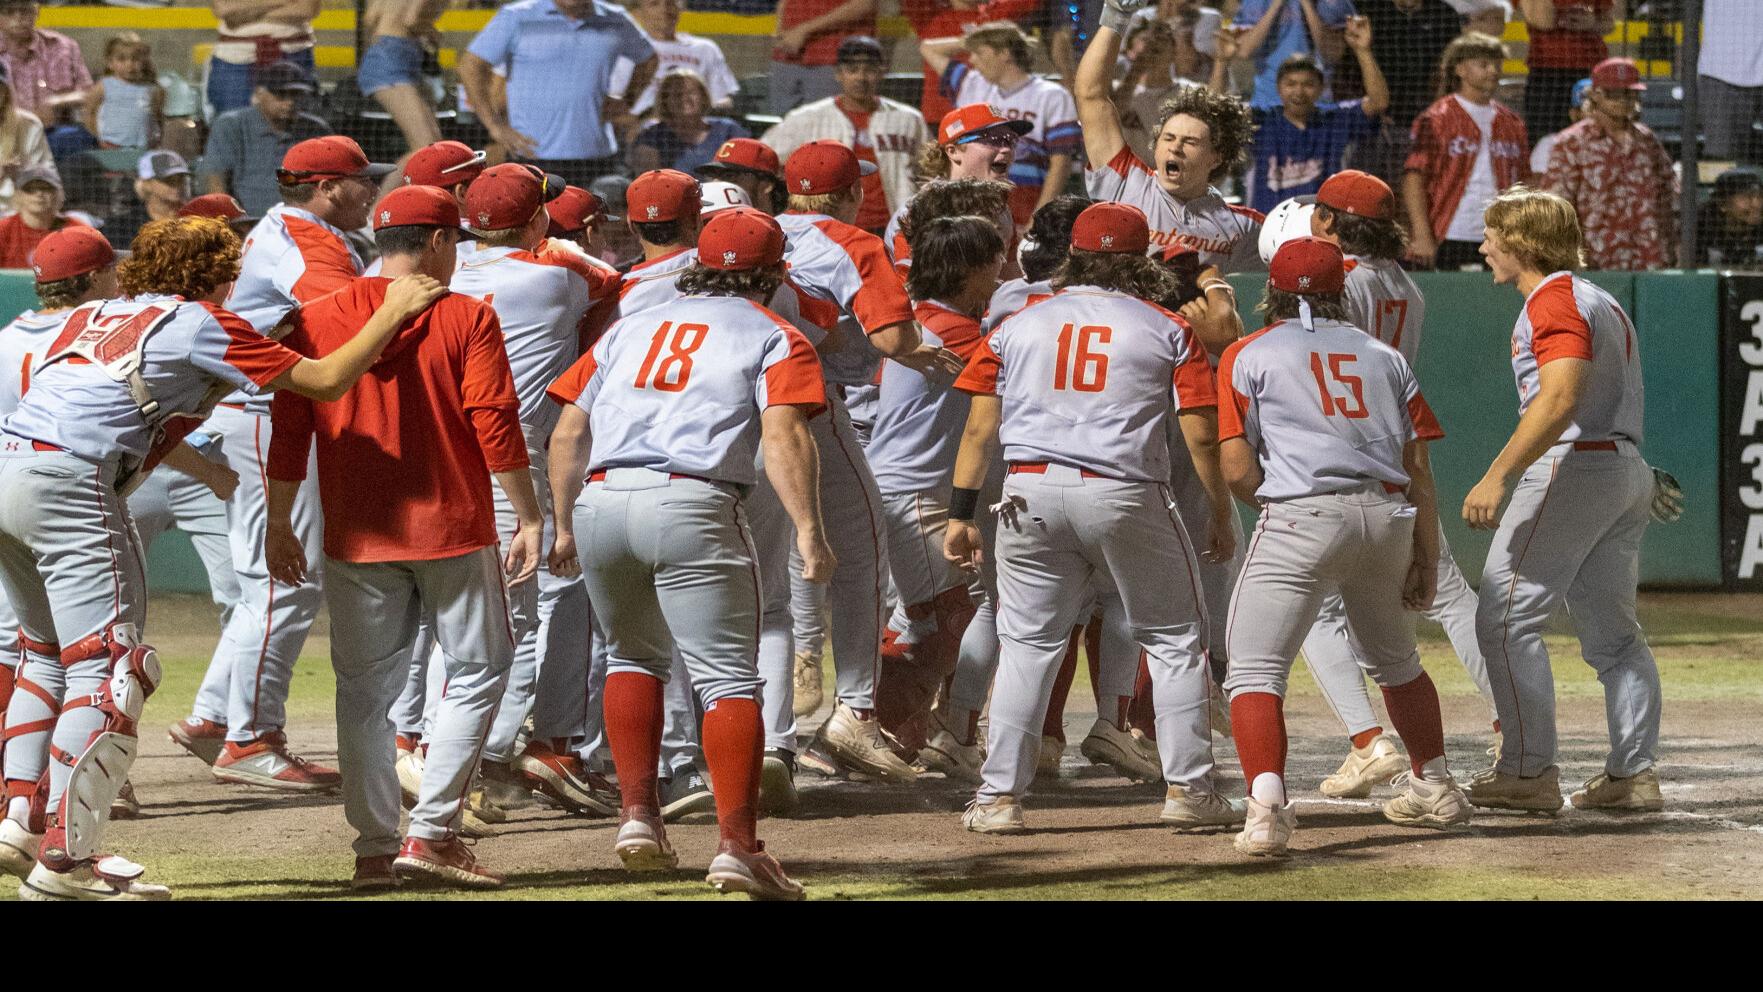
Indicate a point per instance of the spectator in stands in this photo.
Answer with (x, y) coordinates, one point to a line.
(404, 32)
(681, 137)
(246, 146)
(1407, 39)
(1566, 40)
(559, 56)
(1157, 68)
(1196, 26)
(1731, 71)
(39, 212)
(255, 34)
(125, 108)
(950, 19)
(1302, 142)
(659, 21)
(1729, 228)
(1467, 147)
(805, 49)
(162, 187)
(1618, 176)
(1487, 17)
(752, 166)
(879, 130)
(22, 143)
(997, 74)
(47, 70)
(1539, 156)
(1271, 31)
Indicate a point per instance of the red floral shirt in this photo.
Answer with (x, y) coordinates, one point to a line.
(1625, 192)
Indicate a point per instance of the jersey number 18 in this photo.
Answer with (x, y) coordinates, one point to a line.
(675, 368)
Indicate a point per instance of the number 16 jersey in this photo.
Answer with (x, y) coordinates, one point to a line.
(1086, 378)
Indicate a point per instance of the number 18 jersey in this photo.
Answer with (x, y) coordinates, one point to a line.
(1086, 378)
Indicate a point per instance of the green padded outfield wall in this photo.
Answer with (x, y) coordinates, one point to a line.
(1466, 372)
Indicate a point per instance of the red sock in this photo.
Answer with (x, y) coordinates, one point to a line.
(1363, 739)
(8, 679)
(632, 703)
(1142, 712)
(734, 744)
(1258, 720)
(1054, 724)
(1496, 726)
(1414, 709)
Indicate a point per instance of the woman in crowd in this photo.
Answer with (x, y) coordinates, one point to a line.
(681, 137)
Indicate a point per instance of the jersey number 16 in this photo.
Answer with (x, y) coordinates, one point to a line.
(1087, 369)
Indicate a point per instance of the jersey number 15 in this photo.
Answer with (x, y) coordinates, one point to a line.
(1352, 407)
(1086, 370)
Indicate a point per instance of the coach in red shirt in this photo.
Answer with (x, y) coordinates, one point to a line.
(404, 460)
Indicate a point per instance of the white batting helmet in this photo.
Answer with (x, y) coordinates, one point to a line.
(717, 195)
(1291, 219)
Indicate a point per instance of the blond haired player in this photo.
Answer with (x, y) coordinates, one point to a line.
(1324, 428)
(1580, 499)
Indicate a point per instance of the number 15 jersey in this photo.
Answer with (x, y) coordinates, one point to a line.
(1086, 378)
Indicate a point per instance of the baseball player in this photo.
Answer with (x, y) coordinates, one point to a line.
(577, 216)
(841, 264)
(912, 453)
(973, 142)
(1325, 429)
(221, 206)
(149, 369)
(754, 167)
(661, 531)
(1076, 389)
(1580, 499)
(986, 198)
(295, 254)
(437, 418)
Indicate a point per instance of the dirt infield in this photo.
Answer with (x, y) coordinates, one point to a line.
(1092, 835)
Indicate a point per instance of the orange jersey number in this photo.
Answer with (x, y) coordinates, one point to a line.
(1353, 408)
(675, 368)
(1088, 367)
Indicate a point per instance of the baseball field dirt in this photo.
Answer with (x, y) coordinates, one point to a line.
(1092, 836)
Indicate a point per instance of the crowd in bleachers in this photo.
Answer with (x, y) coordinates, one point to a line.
(103, 137)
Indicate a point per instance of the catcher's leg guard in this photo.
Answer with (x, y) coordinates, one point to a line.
(31, 705)
(102, 767)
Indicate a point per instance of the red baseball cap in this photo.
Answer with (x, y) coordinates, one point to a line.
(445, 164)
(411, 206)
(333, 156)
(740, 238)
(1358, 193)
(1617, 74)
(1113, 228)
(72, 251)
(572, 209)
(824, 166)
(505, 196)
(220, 206)
(962, 123)
(744, 154)
(1308, 267)
(661, 195)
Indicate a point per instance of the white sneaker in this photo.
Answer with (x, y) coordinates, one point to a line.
(1051, 756)
(1003, 815)
(1267, 830)
(960, 762)
(1365, 768)
(1128, 752)
(409, 768)
(642, 845)
(18, 848)
(862, 745)
(1186, 811)
(111, 880)
(1439, 805)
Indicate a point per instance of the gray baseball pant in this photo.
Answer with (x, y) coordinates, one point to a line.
(977, 662)
(523, 611)
(1217, 579)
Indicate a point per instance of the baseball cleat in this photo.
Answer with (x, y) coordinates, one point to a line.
(18, 848)
(1267, 830)
(1495, 789)
(1051, 755)
(756, 873)
(686, 794)
(1128, 752)
(125, 806)
(860, 744)
(1637, 792)
(1188, 811)
(565, 780)
(777, 783)
(202, 738)
(448, 861)
(960, 762)
(1425, 803)
(106, 879)
(809, 693)
(504, 786)
(409, 767)
(814, 758)
(375, 873)
(642, 844)
(1365, 768)
(1002, 815)
(475, 827)
(266, 762)
(479, 803)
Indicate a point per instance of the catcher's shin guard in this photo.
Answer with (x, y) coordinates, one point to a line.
(101, 769)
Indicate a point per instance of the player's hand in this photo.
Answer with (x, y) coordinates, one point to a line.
(818, 560)
(1195, 310)
(410, 295)
(223, 482)
(789, 42)
(1358, 34)
(563, 561)
(283, 554)
(961, 545)
(1421, 585)
(522, 560)
(1667, 497)
(1422, 249)
(1225, 43)
(1481, 508)
(928, 359)
(516, 144)
(1221, 541)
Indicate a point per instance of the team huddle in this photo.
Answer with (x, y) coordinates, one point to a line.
(556, 510)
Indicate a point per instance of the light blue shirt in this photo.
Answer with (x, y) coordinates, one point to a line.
(559, 71)
(1289, 36)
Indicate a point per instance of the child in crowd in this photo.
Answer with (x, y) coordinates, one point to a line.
(125, 107)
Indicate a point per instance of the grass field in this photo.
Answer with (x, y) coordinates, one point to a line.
(1092, 836)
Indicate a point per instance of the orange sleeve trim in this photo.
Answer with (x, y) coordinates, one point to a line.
(1426, 426)
(881, 300)
(1195, 385)
(327, 265)
(573, 382)
(1557, 328)
(980, 377)
(1125, 161)
(1232, 413)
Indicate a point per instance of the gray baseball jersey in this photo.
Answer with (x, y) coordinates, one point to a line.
(1225, 235)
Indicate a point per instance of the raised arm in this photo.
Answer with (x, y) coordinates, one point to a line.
(938, 53)
(1096, 113)
(1377, 90)
(1250, 40)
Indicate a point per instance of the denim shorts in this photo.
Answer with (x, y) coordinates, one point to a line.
(389, 62)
